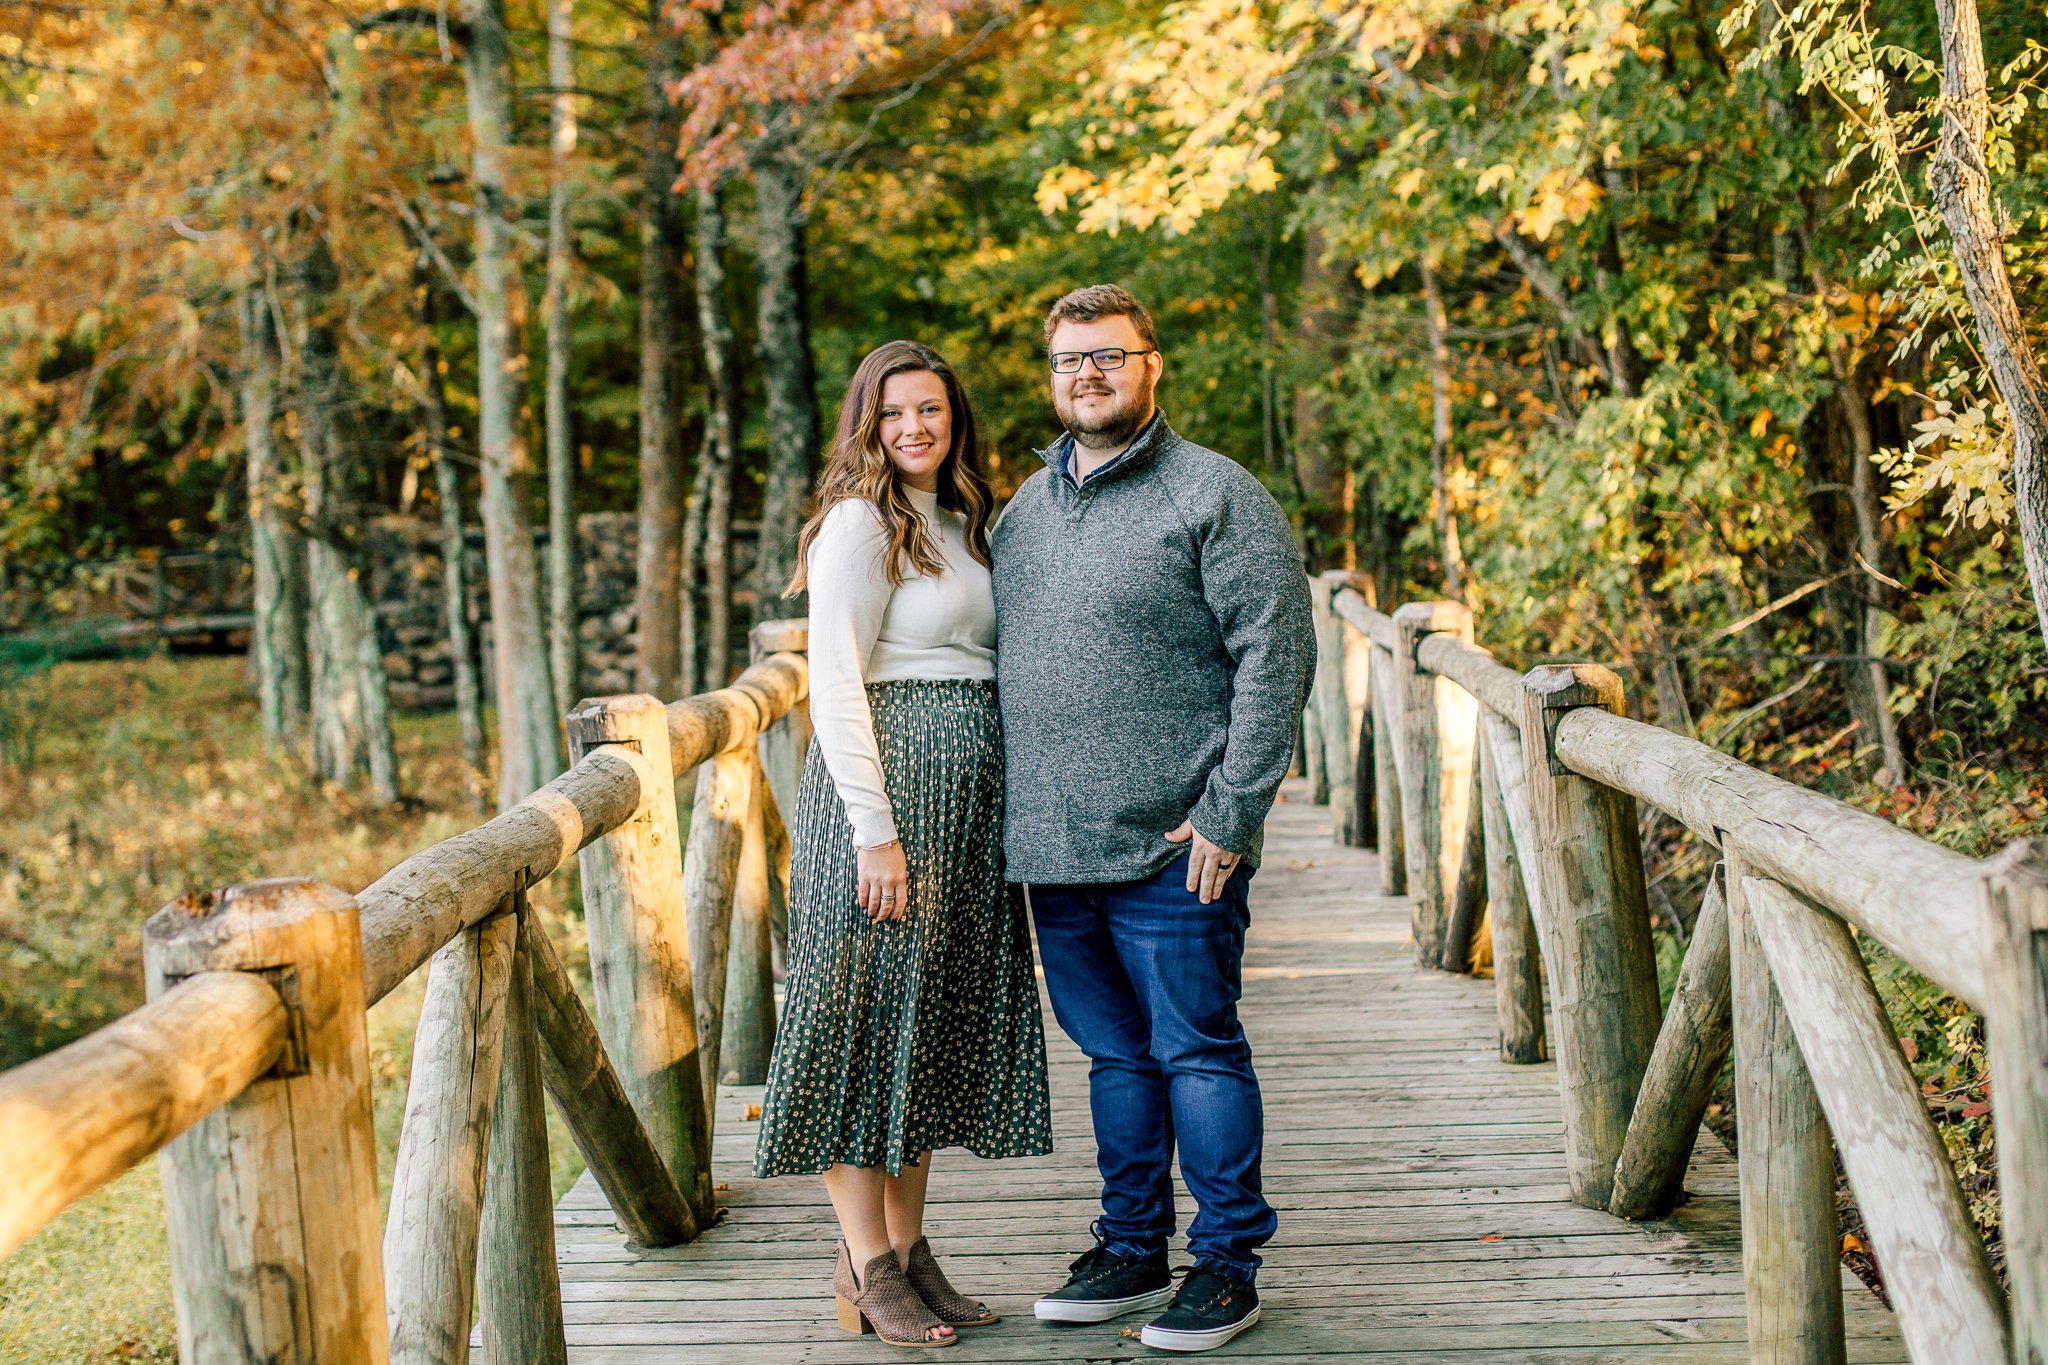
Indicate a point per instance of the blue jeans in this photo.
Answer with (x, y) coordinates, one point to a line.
(1145, 979)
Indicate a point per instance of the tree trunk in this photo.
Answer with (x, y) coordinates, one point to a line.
(469, 706)
(785, 348)
(529, 742)
(277, 637)
(658, 658)
(563, 660)
(351, 709)
(1962, 189)
(722, 377)
(1328, 296)
(691, 641)
(1440, 435)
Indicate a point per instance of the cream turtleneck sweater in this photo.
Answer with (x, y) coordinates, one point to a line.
(864, 631)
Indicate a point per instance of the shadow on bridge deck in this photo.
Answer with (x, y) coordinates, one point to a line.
(1420, 1183)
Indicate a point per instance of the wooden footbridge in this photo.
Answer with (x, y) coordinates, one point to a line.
(1446, 1192)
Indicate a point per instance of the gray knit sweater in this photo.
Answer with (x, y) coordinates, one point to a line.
(1154, 648)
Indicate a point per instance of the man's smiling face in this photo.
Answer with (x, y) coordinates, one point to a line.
(1104, 407)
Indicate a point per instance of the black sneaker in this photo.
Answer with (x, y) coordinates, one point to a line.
(1212, 1307)
(1105, 1285)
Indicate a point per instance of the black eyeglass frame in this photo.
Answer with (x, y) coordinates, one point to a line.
(1081, 357)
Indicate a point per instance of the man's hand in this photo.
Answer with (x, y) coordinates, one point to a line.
(1209, 867)
(883, 880)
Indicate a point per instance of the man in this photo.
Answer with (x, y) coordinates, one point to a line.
(1154, 650)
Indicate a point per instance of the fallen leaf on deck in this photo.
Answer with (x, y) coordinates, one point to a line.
(1851, 1242)
(1491, 1237)
(753, 1112)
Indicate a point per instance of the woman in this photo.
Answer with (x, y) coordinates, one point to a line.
(911, 1019)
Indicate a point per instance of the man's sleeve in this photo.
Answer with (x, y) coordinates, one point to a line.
(1253, 581)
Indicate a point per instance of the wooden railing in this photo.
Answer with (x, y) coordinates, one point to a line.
(1771, 970)
(248, 1068)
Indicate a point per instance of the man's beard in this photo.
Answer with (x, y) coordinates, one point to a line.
(1114, 427)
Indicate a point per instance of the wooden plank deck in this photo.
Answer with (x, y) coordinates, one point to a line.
(1420, 1183)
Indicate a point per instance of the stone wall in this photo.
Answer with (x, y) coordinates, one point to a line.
(406, 589)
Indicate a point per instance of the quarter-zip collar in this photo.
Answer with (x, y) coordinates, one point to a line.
(1143, 447)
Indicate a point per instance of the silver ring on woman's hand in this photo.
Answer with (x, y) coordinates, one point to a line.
(888, 895)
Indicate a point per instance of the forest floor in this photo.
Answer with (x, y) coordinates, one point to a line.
(146, 780)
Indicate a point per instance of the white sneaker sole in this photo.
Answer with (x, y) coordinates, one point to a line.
(1100, 1310)
(1166, 1340)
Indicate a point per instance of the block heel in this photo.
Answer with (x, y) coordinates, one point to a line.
(851, 1319)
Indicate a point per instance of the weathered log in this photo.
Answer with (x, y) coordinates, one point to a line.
(1358, 741)
(715, 722)
(1313, 765)
(1595, 919)
(594, 1104)
(2014, 897)
(1333, 709)
(519, 1288)
(1917, 898)
(1436, 726)
(423, 902)
(437, 1186)
(1950, 1308)
(710, 877)
(1377, 626)
(640, 951)
(1517, 965)
(1391, 838)
(270, 1201)
(420, 904)
(1503, 739)
(747, 1031)
(786, 742)
(79, 1116)
(1489, 680)
(1791, 1269)
(1692, 1047)
(1468, 894)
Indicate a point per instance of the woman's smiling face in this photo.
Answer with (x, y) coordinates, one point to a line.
(916, 426)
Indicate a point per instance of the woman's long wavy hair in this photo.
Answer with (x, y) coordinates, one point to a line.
(858, 467)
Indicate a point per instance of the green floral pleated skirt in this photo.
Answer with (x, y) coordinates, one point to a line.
(909, 1036)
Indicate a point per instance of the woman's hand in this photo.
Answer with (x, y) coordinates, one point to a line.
(883, 879)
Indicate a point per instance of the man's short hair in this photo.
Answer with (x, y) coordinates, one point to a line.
(1101, 301)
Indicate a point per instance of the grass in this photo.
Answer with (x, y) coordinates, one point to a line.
(146, 780)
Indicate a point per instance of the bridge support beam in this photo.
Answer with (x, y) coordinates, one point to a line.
(1595, 920)
(2015, 898)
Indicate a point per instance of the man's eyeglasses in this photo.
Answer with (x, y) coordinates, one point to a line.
(1108, 358)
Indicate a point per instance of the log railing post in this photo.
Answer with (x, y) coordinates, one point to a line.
(437, 1186)
(1595, 919)
(1333, 710)
(1357, 751)
(519, 1287)
(640, 951)
(2015, 900)
(1791, 1268)
(1389, 836)
(271, 1200)
(718, 831)
(748, 1027)
(784, 747)
(1517, 964)
(1313, 766)
(1436, 770)
(1462, 947)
